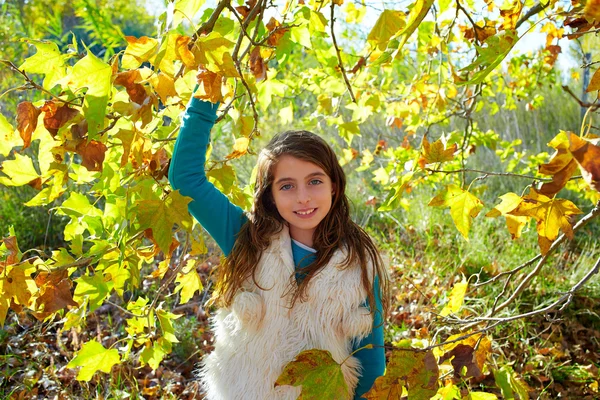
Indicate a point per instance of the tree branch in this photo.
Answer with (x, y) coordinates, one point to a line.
(578, 100)
(462, 170)
(531, 12)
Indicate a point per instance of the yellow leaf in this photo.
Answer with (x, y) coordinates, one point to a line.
(455, 299)
(463, 207)
(551, 214)
(19, 171)
(240, 147)
(515, 224)
(138, 51)
(587, 156)
(189, 282)
(94, 357)
(436, 152)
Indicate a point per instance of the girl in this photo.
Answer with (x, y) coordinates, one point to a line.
(298, 273)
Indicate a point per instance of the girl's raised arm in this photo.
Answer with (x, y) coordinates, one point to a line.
(221, 218)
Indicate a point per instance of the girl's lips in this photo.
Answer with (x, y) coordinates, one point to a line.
(306, 213)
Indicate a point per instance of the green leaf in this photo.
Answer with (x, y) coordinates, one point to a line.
(482, 396)
(491, 56)
(189, 282)
(94, 74)
(165, 318)
(94, 357)
(161, 215)
(153, 355)
(19, 171)
(93, 288)
(463, 207)
(185, 10)
(387, 25)
(46, 61)
(319, 375)
(502, 378)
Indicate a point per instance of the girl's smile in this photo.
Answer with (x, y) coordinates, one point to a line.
(302, 193)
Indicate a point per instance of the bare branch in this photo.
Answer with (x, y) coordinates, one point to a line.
(209, 25)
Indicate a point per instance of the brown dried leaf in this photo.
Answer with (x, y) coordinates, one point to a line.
(276, 32)
(461, 356)
(92, 154)
(595, 82)
(55, 293)
(209, 86)
(257, 65)
(56, 116)
(130, 80)
(588, 157)
(27, 116)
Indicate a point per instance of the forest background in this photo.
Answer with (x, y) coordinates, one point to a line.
(467, 130)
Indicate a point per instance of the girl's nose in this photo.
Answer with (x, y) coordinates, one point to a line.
(303, 196)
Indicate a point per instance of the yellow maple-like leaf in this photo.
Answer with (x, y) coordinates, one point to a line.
(189, 282)
(551, 214)
(515, 224)
(463, 207)
(138, 51)
(436, 152)
(587, 156)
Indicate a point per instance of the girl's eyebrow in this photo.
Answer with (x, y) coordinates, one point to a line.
(318, 173)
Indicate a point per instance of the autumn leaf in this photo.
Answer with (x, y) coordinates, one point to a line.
(188, 282)
(131, 81)
(318, 373)
(240, 147)
(209, 86)
(455, 299)
(587, 156)
(463, 207)
(595, 81)
(138, 51)
(387, 25)
(419, 10)
(562, 166)
(183, 52)
(92, 154)
(91, 289)
(164, 86)
(436, 152)
(27, 116)
(184, 10)
(8, 137)
(414, 369)
(257, 65)
(510, 12)
(515, 224)
(55, 116)
(551, 214)
(94, 357)
(275, 32)
(496, 49)
(54, 293)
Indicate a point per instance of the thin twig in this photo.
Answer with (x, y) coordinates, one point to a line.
(583, 104)
(209, 25)
(531, 12)
(339, 55)
(462, 170)
(560, 303)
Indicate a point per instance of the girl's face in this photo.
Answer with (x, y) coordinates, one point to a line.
(303, 193)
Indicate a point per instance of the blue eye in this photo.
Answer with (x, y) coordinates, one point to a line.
(287, 186)
(315, 182)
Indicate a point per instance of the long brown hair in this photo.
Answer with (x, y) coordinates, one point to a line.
(335, 231)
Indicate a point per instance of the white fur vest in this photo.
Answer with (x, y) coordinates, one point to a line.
(259, 334)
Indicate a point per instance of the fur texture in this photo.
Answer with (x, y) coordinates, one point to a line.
(260, 333)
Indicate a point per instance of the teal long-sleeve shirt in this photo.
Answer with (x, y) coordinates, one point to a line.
(223, 220)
